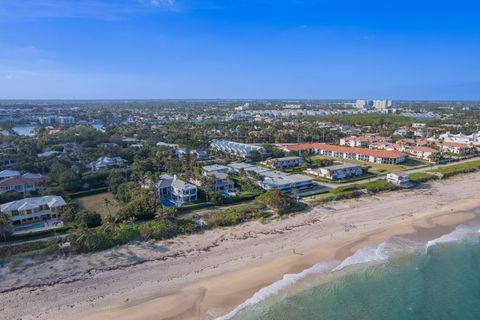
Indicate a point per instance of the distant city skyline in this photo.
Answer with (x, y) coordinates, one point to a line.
(211, 49)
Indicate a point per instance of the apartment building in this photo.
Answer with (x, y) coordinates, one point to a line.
(284, 163)
(368, 155)
(338, 172)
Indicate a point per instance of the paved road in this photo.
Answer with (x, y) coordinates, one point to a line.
(412, 170)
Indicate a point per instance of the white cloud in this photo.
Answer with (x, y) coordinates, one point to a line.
(96, 9)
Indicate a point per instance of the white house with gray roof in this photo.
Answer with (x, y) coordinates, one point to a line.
(30, 210)
(174, 189)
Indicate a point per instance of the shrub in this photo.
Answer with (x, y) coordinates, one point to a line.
(378, 186)
(453, 170)
(420, 177)
(276, 200)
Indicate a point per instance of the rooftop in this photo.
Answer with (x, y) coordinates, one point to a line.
(335, 148)
(342, 166)
(32, 203)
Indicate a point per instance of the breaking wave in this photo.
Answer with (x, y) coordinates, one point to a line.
(371, 254)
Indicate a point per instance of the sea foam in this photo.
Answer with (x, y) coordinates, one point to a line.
(461, 232)
(276, 287)
(379, 253)
(370, 254)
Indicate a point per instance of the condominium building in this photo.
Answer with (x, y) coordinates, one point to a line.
(338, 172)
(457, 148)
(237, 149)
(368, 155)
(422, 152)
(363, 141)
(284, 163)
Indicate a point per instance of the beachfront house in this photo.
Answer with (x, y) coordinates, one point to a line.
(338, 172)
(170, 189)
(30, 210)
(399, 179)
(217, 182)
(284, 182)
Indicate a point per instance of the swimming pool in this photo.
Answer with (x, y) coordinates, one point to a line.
(168, 203)
(31, 226)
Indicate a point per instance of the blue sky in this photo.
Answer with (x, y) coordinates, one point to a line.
(95, 49)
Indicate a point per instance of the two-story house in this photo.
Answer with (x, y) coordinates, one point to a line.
(31, 210)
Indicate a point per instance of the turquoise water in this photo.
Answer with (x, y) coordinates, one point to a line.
(399, 279)
(32, 226)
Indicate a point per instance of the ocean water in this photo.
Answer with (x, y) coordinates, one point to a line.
(397, 279)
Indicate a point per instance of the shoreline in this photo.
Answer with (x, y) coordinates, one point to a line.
(191, 302)
(227, 266)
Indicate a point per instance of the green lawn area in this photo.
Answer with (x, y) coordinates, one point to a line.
(378, 168)
(96, 203)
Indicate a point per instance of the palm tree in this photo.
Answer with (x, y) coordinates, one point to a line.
(109, 223)
(107, 203)
(83, 237)
(6, 228)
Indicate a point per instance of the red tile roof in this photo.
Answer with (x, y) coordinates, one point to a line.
(16, 181)
(335, 148)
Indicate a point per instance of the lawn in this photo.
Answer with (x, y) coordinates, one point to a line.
(97, 203)
(379, 168)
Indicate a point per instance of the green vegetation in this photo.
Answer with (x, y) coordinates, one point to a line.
(107, 236)
(378, 168)
(354, 191)
(236, 215)
(421, 177)
(73, 214)
(276, 200)
(456, 169)
(28, 247)
(271, 201)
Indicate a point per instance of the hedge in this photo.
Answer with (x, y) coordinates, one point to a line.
(85, 193)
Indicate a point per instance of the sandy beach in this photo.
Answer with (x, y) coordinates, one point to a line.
(204, 276)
